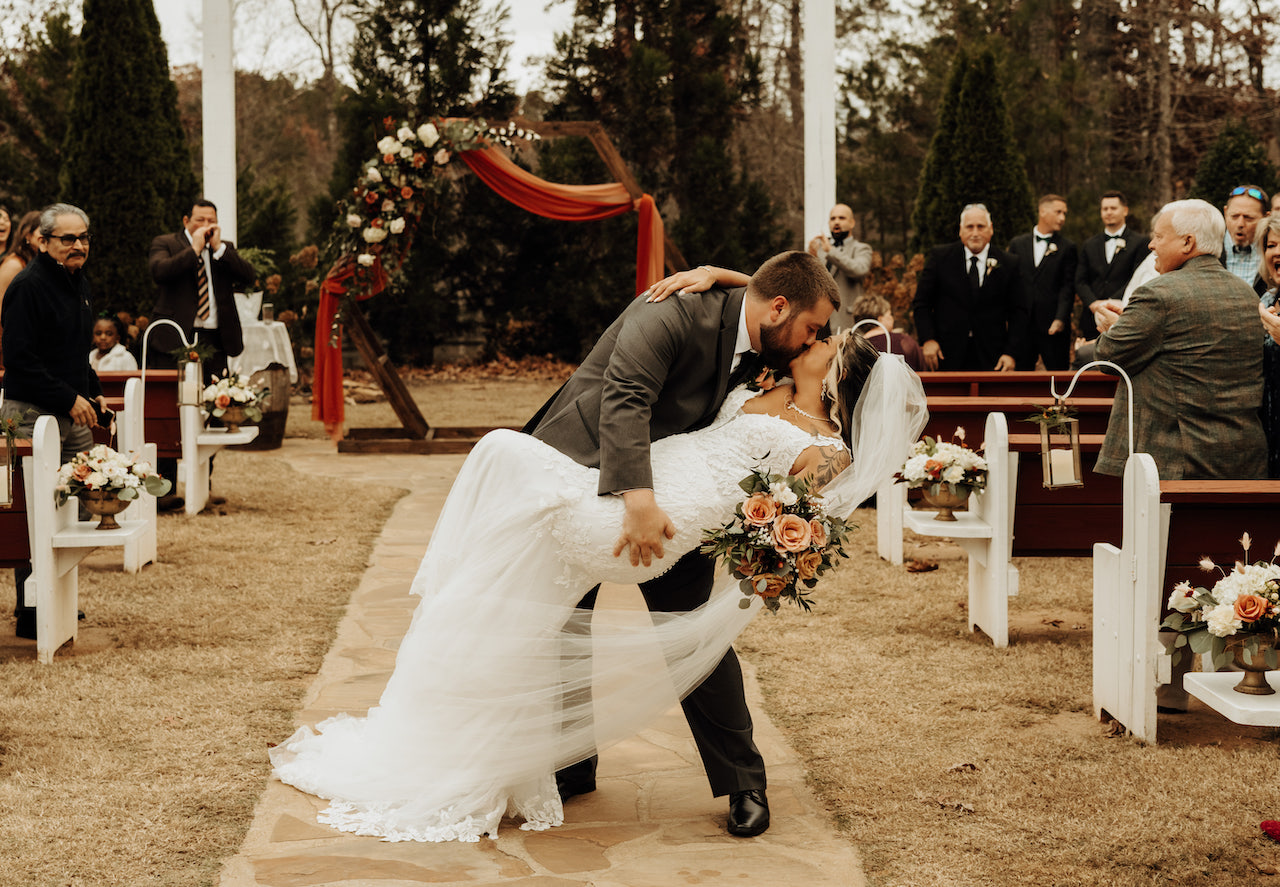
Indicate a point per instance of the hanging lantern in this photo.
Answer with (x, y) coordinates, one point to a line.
(189, 387)
(1060, 448)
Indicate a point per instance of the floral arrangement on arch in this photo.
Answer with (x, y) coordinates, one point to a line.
(380, 217)
(103, 469)
(934, 462)
(234, 391)
(1243, 604)
(780, 540)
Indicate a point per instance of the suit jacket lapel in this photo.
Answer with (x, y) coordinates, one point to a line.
(724, 354)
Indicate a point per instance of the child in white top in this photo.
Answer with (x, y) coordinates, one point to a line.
(109, 353)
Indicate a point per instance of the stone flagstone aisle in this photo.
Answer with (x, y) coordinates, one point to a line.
(651, 822)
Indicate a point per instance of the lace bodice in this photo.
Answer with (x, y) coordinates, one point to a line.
(695, 481)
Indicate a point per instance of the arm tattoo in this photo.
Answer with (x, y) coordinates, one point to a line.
(831, 461)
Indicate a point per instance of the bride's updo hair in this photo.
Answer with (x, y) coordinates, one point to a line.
(848, 372)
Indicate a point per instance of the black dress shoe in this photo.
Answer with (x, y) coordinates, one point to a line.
(748, 813)
(171, 502)
(576, 779)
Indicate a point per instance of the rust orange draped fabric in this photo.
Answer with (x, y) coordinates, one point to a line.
(574, 203)
(326, 384)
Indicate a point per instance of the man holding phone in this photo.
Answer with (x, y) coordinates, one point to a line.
(48, 331)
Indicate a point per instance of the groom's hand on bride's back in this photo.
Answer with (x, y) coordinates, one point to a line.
(644, 527)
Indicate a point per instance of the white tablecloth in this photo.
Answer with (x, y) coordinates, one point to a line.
(264, 343)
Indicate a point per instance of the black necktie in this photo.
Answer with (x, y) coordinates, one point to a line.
(1044, 238)
(974, 281)
(748, 365)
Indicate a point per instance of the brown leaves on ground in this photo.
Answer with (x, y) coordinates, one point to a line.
(921, 565)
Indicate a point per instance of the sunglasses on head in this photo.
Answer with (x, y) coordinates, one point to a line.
(1253, 192)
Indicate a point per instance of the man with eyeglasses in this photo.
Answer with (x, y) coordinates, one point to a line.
(48, 331)
(1246, 206)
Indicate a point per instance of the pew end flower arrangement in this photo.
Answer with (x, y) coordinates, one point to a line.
(232, 392)
(1239, 614)
(780, 541)
(934, 464)
(103, 470)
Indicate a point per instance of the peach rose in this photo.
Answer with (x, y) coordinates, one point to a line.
(791, 533)
(773, 586)
(81, 471)
(748, 567)
(759, 510)
(1250, 608)
(222, 401)
(807, 563)
(819, 531)
(933, 468)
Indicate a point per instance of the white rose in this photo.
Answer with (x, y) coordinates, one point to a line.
(364, 259)
(388, 206)
(373, 175)
(428, 135)
(404, 134)
(442, 157)
(406, 153)
(953, 475)
(396, 226)
(782, 492)
(354, 221)
(1182, 598)
(374, 235)
(1222, 620)
(389, 145)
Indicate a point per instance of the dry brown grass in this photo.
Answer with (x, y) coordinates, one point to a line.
(136, 758)
(949, 762)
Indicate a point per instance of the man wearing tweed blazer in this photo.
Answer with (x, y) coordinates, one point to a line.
(847, 259)
(1189, 341)
(662, 369)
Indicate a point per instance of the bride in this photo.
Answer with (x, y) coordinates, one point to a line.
(477, 717)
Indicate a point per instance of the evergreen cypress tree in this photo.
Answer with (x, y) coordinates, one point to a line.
(935, 218)
(972, 159)
(1236, 157)
(126, 161)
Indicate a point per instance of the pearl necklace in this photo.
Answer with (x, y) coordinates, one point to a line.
(791, 405)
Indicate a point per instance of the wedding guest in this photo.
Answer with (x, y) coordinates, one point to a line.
(874, 307)
(1267, 244)
(1107, 262)
(6, 229)
(1048, 264)
(1246, 205)
(110, 353)
(847, 259)
(24, 246)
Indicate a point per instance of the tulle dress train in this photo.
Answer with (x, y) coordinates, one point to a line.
(499, 680)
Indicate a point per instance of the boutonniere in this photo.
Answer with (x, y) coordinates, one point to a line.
(763, 382)
(1119, 244)
(992, 265)
(1050, 249)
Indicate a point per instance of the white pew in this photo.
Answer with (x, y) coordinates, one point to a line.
(59, 541)
(140, 551)
(985, 532)
(1129, 662)
(198, 445)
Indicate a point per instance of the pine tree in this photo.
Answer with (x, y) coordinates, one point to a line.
(936, 218)
(1236, 157)
(125, 155)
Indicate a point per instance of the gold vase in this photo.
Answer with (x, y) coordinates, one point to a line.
(106, 504)
(232, 418)
(1254, 681)
(946, 499)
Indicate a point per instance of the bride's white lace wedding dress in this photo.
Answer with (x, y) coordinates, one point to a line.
(477, 716)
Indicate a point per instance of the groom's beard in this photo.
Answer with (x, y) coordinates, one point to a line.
(775, 348)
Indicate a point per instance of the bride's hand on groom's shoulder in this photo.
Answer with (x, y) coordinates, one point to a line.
(644, 527)
(696, 280)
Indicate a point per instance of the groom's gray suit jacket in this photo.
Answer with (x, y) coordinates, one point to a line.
(659, 369)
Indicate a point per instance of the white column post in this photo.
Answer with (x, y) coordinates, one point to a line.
(819, 114)
(218, 93)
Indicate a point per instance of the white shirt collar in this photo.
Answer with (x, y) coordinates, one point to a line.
(982, 256)
(1119, 231)
(744, 337)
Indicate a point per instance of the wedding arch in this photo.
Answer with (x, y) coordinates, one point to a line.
(379, 219)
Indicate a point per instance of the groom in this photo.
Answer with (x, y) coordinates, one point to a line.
(662, 369)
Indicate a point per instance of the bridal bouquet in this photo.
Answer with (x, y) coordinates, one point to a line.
(933, 463)
(102, 469)
(1243, 604)
(231, 391)
(780, 540)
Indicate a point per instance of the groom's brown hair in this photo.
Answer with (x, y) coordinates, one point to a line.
(799, 277)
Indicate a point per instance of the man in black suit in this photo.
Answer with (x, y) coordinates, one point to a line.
(662, 369)
(969, 308)
(197, 273)
(1107, 261)
(1047, 261)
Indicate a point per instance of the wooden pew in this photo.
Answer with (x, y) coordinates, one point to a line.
(15, 546)
(964, 399)
(1168, 527)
